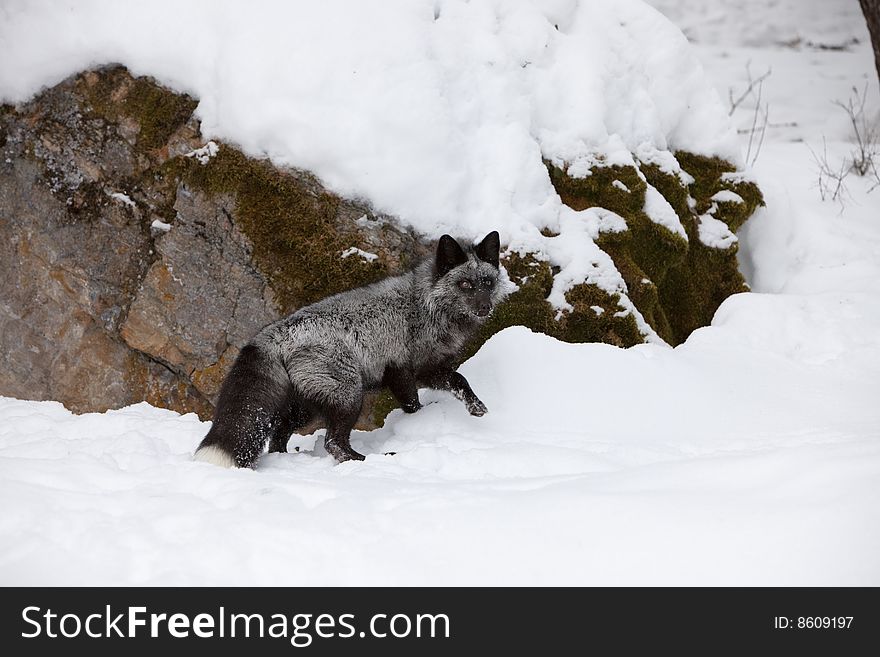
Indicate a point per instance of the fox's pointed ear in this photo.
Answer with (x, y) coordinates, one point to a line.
(449, 255)
(489, 249)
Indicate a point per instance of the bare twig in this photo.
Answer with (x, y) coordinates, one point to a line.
(831, 180)
(760, 115)
(750, 159)
(735, 103)
(863, 158)
(867, 149)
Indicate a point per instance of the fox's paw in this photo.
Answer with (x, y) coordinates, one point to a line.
(411, 407)
(477, 408)
(342, 453)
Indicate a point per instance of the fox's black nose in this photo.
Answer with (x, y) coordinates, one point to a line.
(483, 309)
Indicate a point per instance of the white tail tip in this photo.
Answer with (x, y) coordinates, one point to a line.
(215, 455)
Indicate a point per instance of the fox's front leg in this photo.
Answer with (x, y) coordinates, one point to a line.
(403, 386)
(455, 383)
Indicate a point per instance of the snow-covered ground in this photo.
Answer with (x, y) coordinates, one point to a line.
(748, 455)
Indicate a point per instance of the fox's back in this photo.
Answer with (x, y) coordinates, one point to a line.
(371, 324)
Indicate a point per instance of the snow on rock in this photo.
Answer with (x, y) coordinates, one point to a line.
(660, 212)
(377, 97)
(714, 233)
(443, 114)
(369, 257)
(439, 112)
(122, 198)
(205, 153)
(726, 196)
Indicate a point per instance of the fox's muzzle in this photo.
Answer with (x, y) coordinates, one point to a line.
(482, 304)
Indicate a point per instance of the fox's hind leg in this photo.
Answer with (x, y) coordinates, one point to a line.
(278, 441)
(296, 414)
(339, 426)
(329, 377)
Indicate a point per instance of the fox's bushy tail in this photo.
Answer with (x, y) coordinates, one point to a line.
(214, 454)
(256, 403)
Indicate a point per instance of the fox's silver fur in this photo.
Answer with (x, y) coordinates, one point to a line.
(401, 332)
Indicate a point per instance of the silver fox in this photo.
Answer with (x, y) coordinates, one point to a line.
(401, 333)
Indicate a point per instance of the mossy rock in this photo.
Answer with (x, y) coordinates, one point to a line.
(583, 193)
(670, 187)
(596, 316)
(297, 230)
(676, 284)
(114, 95)
(381, 405)
(291, 221)
(709, 178)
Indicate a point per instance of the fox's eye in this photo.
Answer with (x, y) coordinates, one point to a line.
(466, 285)
(488, 283)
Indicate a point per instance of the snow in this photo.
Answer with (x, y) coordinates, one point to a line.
(122, 198)
(726, 196)
(561, 482)
(749, 455)
(205, 153)
(365, 255)
(765, 23)
(160, 225)
(660, 212)
(714, 232)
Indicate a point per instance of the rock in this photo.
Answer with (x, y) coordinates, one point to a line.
(136, 260)
(201, 295)
(131, 271)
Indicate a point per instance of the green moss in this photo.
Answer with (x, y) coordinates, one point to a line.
(654, 247)
(642, 290)
(693, 291)
(736, 214)
(5, 110)
(290, 222)
(598, 189)
(158, 111)
(583, 324)
(707, 173)
(113, 93)
(693, 288)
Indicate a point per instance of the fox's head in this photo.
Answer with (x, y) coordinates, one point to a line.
(467, 278)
